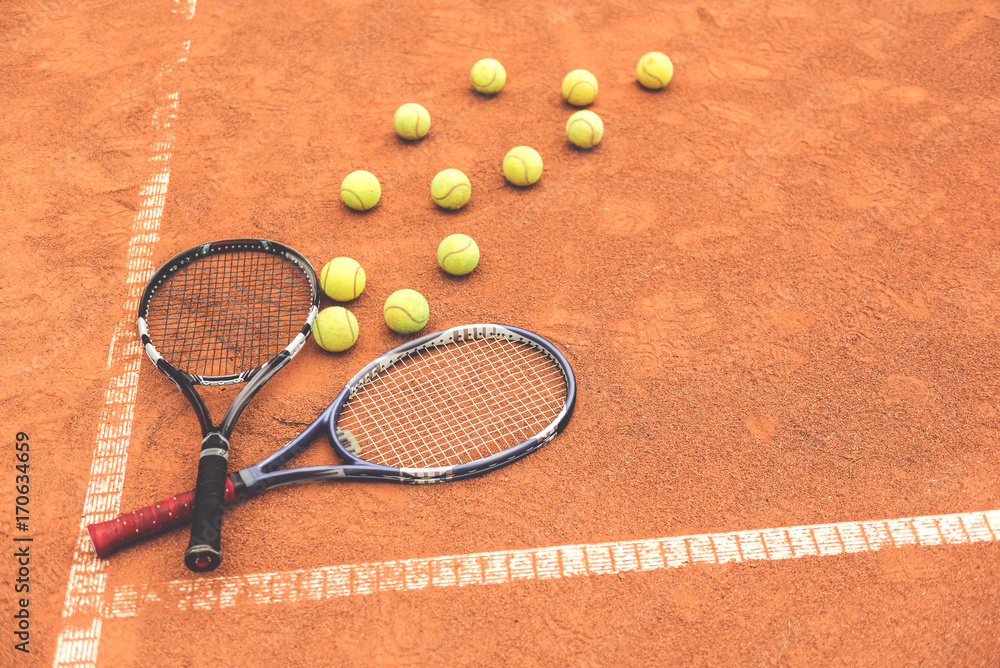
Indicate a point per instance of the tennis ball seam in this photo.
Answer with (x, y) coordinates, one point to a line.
(355, 195)
(416, 112)
(593, 133)
(650, 74)
(523, 164)
(350, 327)
(325, 274)
(488, 83)
(573, 88)
(408, 315)
(354, 287)
(448, 194)
(444, 260)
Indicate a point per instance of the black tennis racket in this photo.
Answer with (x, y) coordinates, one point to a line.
(447, 406)
(227, 312)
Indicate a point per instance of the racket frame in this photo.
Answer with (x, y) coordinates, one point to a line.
(204, 549)
(268, 473)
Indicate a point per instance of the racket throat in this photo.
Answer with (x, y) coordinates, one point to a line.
(247, 483)
(242, 490)
(215, 445)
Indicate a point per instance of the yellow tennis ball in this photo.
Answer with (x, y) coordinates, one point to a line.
(654, 70)
(585, 129)
(458, 254)
(488, 76)
(451, 189)
(579, 88)
(335, 329)
(522, 165)
(406, 311)
(411, 121)
(342, 279)
(360, 190)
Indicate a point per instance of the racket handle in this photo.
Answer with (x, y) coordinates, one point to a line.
(115, 534)
(204, 551)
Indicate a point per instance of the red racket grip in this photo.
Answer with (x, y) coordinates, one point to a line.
(112, 535)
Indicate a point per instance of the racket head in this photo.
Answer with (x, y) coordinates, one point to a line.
(451, 405)
(218, 312)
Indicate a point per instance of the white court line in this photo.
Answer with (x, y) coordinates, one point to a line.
(548, 563)
(78, 642)
(185, 8)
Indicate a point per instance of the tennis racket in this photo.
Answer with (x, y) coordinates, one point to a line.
(224, 313)
(447, 406)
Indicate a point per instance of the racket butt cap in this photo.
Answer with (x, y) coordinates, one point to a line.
(202, 558)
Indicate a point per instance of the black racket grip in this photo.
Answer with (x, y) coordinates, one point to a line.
(204, 551)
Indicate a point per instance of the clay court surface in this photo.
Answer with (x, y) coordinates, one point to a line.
(776, 281)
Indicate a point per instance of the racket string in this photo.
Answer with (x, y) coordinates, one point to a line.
(501, 402)
(448, 443)
(229, 312)
(462, 393)
(455, 403)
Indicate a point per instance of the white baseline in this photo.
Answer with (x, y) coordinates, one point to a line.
(547, 563)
